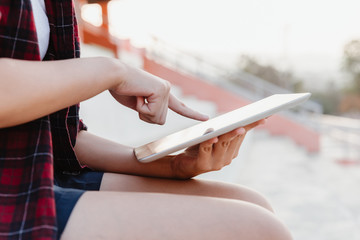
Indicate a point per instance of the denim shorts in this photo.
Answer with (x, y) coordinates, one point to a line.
(68, 188)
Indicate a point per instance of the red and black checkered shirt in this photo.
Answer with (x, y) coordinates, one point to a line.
(29, 153)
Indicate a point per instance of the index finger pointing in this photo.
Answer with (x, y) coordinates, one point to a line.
(180, 108)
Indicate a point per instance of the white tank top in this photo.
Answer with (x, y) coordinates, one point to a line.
(42, 25)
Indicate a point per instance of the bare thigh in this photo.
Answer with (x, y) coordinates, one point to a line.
(129, 215)
(196, 187)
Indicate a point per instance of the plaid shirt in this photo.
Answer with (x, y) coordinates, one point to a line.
(29, 153)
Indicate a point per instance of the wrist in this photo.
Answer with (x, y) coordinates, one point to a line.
(176, 168)
(116, 73)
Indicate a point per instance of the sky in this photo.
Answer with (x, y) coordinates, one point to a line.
(304, 36)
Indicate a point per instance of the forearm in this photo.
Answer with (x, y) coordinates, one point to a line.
(31, 89)
(108, 156)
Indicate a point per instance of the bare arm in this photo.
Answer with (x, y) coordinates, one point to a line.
(108, 156)
(31, 89)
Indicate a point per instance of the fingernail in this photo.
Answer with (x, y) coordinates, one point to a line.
(205, 117)
(241, 131)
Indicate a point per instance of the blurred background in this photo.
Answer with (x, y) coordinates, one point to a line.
(221, 55)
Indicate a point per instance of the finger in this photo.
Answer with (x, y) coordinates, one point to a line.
(234, 146)
(150, 119)
(142, 106)
(179, 107)
(146, 119)
(143, 110)
(152, 112)
(232, 134)
(224, 149)
(204, 161)
(255, 124)
(238, 145)
(194, 150)
(242, 137)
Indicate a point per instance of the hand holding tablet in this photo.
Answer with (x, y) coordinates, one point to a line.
(218, 126)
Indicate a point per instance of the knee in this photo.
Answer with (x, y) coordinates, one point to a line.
(236, 192)
(271, 228)
(250, 195)
(260, 224)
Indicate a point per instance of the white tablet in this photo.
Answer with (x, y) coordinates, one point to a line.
(218, 126)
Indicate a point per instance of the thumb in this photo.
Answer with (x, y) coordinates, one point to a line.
(142, 105)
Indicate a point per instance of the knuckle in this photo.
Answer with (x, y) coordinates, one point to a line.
(225, 144)
(166, 86)
(228, 162)
(207, 149)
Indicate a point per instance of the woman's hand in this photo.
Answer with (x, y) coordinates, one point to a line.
(150, 96)
(211, 155)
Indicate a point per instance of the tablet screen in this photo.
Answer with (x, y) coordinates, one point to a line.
(218, 126)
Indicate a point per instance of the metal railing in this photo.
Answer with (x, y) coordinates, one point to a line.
(249, 86)
(344, 132)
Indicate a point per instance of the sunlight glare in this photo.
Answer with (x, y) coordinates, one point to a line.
(92, 14)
